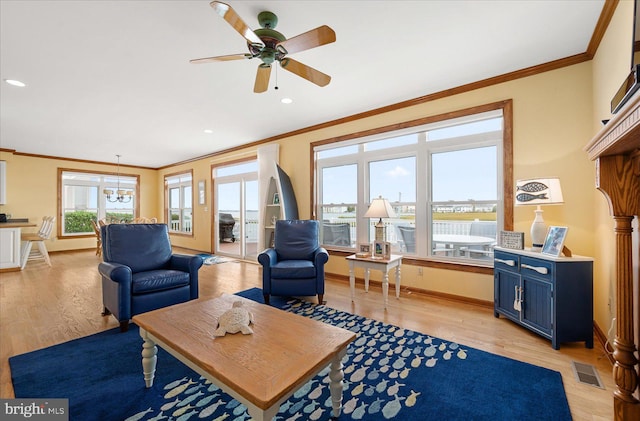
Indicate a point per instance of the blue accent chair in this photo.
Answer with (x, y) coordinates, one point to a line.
(140, 273)
(295, 265)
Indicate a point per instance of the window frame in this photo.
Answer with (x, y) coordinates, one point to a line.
(185, 229)
(505, 171)
(101, 185)
(241, 171)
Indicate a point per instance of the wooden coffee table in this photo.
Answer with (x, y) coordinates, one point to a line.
(261, 370)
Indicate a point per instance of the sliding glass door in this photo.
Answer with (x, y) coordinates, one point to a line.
(236, 210)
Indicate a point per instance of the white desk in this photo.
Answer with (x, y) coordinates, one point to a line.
(383, 265)
(461, 240)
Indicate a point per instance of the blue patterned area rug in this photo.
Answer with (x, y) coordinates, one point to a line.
(391, 373)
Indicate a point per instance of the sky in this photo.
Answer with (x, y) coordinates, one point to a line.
(458, 175)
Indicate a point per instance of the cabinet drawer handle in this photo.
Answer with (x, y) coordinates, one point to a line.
(506, 262)
(539, 269)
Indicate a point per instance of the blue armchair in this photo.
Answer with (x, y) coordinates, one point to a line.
(140, 273)
(295, 265)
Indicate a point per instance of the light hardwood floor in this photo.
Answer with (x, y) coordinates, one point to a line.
(42, 306)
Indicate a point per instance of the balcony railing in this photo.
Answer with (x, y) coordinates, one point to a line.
(439, 227)
(175, 226)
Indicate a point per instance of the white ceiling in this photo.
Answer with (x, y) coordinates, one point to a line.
(113, 77)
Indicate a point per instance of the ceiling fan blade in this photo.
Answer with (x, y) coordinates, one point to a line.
(306, 72)
(310, 39)
(235, 21)
(262, 78)
(221, 58)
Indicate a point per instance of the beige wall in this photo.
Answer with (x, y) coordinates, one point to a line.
(555, 115)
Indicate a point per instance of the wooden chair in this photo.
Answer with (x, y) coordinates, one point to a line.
(28, 253)
(96, 230)
(143, 220)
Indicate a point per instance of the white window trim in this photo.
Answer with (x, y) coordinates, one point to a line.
(180, 184)
(103, 182)
(422, 151)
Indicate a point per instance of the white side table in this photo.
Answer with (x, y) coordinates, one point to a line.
(383, 265)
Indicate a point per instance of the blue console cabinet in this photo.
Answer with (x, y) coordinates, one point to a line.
(552, 296)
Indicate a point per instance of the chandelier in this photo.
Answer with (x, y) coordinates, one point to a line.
(122, 196)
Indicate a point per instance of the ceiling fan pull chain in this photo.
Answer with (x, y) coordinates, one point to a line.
(276, 87)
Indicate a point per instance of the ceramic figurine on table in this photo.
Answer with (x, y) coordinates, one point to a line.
(235, 320)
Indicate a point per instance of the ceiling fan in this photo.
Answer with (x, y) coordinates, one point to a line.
(269, 45)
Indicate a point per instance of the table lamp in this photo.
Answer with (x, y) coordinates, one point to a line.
(380, 208)
(538, 191)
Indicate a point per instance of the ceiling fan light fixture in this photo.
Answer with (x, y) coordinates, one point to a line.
(268, 56)
(270, 46)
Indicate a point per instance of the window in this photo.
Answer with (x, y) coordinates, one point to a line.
(83, 200)
(338, 209)
(395, 180)
(179, 196)
(443, 178)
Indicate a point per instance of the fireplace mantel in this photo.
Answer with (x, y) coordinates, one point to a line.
(621, 134)
(616, 150)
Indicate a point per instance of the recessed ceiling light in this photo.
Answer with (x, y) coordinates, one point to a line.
(208, 131)
(286, 100)
(15, 83)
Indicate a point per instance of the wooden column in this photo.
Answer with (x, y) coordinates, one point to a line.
(616, 151)
(618, 177)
